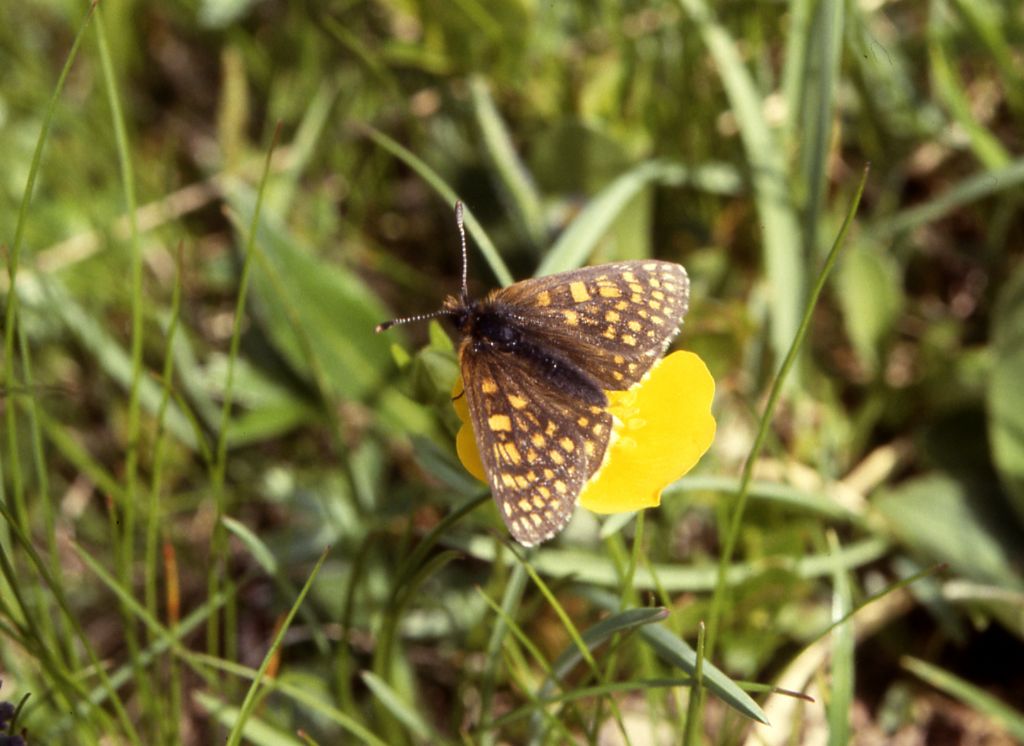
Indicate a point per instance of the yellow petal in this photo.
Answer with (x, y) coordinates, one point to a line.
(465, 441)
(664, 426)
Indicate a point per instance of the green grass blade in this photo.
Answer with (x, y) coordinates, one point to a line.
(596, 569)
(518, 632)
(235, 736)
(48, 296)
(402, 595)
(154, 507)
(10, 317)
(783, 259)
(521, 196)
(301, 696)
(676, 652)
(696, 703)
(126, 543)
(256, 731)
(840, 700)
(732, 535)
(579, 693)
(598, 634)
(974, 697)
(483, 241)
(412, 564)
(783, 495)
(218, 549)
(986, 146)
(266, 560)
(128, 728)
(510, 602)
(972, 189)
(818, 112)
(578, 642)
(403, 711)
(578, 241)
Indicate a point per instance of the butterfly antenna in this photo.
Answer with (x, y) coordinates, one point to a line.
(464, 293)
(384, 326)
(464, 297)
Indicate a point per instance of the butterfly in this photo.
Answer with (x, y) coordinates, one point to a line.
(537, 358)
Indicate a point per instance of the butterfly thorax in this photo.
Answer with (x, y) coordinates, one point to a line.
(488, 325)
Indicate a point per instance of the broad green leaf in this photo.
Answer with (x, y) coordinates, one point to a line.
(579, 240)
(598, 569)
(1006, 389)
(320, 316)
(937, 517)
(871, 296)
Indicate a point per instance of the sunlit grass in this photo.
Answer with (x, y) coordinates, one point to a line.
(233, 513)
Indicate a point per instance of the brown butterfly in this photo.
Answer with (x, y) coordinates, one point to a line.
(537, 358)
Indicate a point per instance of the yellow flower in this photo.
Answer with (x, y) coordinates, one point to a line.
(663, 425)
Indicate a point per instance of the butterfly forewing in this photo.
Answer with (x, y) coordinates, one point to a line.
(612, 320)
(538, 444)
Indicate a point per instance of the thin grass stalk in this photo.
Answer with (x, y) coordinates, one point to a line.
(166, 718)
(299, 694)
(949, 89)
(69, 448)
(483, 241)
(219, 548)
(235, 737)
(795, 74)
(125, 721)
(388, 637)
(627, 599)
(692, 726)
(126, 542)
(510, 602)
(41, 603)
(576, 637)
(345, 666)
(987, 23)
(575, 695)
(14, 255)
(65, 686)
(840, 696)
(729, 547)
(320, 378)
(783, 261)
(513, 180)
(637, 556)
(490, 726)
(159, 447)
(124, 539)
(176, 710)
(36, 599)
(12, 327)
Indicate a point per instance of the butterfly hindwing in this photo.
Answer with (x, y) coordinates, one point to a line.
(612, 320)
(538, 444)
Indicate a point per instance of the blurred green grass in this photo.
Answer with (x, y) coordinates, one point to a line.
(173, 470)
